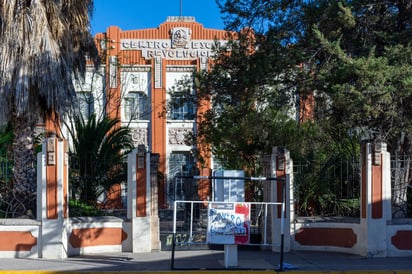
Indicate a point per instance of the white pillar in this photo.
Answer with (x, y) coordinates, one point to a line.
(375, 199)
(145, 223)
(52, 200)
(281, 191)
(131, 184)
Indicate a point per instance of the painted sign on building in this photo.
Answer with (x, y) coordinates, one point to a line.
(172, 49)
(228, 223)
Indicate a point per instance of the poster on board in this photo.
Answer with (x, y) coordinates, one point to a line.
(228, 223)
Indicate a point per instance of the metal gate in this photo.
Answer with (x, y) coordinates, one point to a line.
(191, 220)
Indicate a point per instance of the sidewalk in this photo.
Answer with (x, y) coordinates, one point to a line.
(210, 261)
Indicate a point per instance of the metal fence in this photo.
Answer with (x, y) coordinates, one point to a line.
(330, 188)
(319, 189)
(190, 221)
(334, 190)
(401, 181)
(192, 225)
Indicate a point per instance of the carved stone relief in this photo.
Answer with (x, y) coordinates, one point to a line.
(139, 136)
(177, 135)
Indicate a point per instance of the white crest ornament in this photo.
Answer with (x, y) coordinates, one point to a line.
(180, 37)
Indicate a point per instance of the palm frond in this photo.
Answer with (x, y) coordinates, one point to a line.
(42, 45)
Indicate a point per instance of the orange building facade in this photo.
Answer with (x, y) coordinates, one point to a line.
(142, 67)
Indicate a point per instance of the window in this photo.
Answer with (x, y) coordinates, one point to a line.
(86, 103)
(181, 108)
(181, 163)
(136, 106)
(181, 96)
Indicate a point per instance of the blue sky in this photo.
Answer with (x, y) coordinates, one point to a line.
(140, 14)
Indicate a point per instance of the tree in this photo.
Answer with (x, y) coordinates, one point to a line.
(368, 71)
(42, 45)
(354, 56)
(98, 155)
(253, 87)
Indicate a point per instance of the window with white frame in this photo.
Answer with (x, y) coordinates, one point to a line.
(182, 109)
(136, 106)
(181, 96)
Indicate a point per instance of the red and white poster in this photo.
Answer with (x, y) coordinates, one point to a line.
(228, 223)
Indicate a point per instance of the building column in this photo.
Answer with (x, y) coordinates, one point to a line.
(277, 191)
(142, 197)
(154, 202)
(375, 198)
(52, 198)
(158, 126)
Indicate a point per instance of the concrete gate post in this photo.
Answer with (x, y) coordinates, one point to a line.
(52, 198)
(142, 200)
(281, 167)
(375, 198)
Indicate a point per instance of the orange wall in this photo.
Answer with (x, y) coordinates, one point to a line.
(114, 36)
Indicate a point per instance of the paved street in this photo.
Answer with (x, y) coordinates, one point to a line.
(210, 261)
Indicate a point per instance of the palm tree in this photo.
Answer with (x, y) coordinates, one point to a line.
(98, 153)
(42, 45)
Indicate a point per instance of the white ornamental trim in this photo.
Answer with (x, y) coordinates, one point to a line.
(177, 135)
(139, 136)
